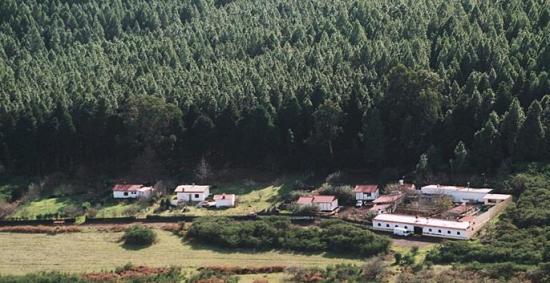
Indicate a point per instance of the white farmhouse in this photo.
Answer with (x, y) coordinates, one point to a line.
(366, 193)
(224, 200)
(123, 191)
(423, 226)
(325, 203)
(188, 193)
(459, 194)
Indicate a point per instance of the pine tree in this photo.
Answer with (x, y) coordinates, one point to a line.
(531, 135)
(372, 136)
(487, 146)
(510, 126)
(459, 164)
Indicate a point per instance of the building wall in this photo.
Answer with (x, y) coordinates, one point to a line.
(458, 196)
(186, 197)
(462, 234)
(326, 206)
(365, 196)
(225, 203)
(120, 194)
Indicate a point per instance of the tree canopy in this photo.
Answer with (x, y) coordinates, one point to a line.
(289, 84)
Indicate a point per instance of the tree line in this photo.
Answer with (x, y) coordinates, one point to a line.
(155, 86)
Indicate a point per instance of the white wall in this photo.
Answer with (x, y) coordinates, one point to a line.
(326, 206)
(436, 231)
(186, 197)
(365, 196)
(225, 203)
(121, 194)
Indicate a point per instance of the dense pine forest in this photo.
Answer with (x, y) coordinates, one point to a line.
(115, 85)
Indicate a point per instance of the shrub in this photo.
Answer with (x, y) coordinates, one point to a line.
(344, 194)
(139, 235)
(305, 210)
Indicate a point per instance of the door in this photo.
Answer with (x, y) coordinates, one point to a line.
(417, 230)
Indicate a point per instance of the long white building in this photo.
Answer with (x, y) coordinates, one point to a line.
(459, 194)
(423, 226)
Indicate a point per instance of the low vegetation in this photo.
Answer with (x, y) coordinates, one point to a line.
(279, 233)
(139, 235)
(40, 229)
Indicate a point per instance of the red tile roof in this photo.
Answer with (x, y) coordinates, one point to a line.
(127, 187)
(305, 200)
(387, 199)
(324, 198)
(315, 199)
(366, 188)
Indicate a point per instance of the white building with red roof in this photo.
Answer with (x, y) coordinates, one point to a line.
(224, 200)
(132, 191)
(366, 192)
(188, 193)
(325, 203)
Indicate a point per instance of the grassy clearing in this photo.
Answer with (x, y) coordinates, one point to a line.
(96, 251)
(42, 206)
(273, 277)
(249, 201)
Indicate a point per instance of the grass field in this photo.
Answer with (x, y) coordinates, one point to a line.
(250, 199)
(95, 251)
(41, 206)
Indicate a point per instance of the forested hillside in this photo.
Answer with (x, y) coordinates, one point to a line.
(115, 84)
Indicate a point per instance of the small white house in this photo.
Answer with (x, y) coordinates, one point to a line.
(325, 203)
(123, 191)
(189, 193)
(224, 200)
(366, 192)
(459, 194)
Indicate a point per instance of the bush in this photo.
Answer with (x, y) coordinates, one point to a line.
(305, 210)
(272, 233)
(139, 235)
(344, 194)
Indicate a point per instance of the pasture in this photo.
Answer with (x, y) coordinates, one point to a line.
(95, 251)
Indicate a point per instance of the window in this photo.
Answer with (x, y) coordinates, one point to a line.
(438, 231)
(430, 229)
(387, 225)
(396, 225)
(196, 195)
(125, 193)
(448, 232)
(458, 233)
(406, 227)
(379, 224)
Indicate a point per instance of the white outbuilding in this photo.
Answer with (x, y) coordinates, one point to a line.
(423, 226)
(189, 193)
(124, 191)
(224, 200)
(325, 203)
(459, 194)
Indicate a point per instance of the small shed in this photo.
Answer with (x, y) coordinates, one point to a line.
(189, 193)
(224, 200)
(493, 199)
(325, 203)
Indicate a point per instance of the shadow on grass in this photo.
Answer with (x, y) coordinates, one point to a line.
(134, 247)
(200, 246)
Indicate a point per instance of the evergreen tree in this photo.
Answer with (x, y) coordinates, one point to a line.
(531, 135)
(372, 135)
(510, 126)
